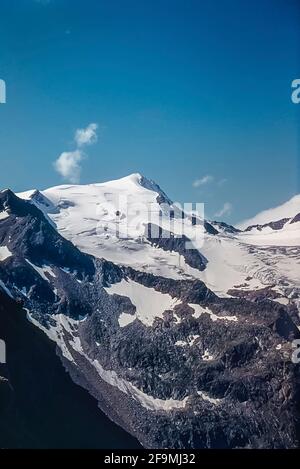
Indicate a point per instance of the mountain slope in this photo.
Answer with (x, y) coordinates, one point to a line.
(40, 406)
(111, 220)
(166, 358)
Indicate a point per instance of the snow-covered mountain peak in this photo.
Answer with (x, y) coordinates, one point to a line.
(137, 182)
(119, 220)
(277, 226)
(129, 180)
(288, 209)
(111, 220)
(39, 199)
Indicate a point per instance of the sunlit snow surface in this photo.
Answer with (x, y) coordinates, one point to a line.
(4, 253)
(95, 219)
(3, 215)
(149, 303)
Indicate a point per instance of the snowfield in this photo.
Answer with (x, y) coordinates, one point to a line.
(107, 220)
(288, 236)
(148, 302)
(4, 253)
(4, 215)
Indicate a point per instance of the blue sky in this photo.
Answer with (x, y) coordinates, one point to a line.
(181, 90)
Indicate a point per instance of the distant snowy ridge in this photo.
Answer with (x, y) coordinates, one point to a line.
(287, 210)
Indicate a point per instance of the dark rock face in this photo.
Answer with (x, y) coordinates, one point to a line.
(40, 406)
(35, 245)
(168, 242)
(225, 227)
(162, 197)
(42, 202)
(207, 226)
(296, 218)
(247, 383)
(189, 291)
(275, 225)
(227, 368)
(29, 234)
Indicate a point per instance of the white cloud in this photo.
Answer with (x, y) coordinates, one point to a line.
(225, 210)
(205, 180)
(86, 136)
(68, 165)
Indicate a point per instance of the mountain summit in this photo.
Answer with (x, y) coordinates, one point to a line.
(183, 346)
